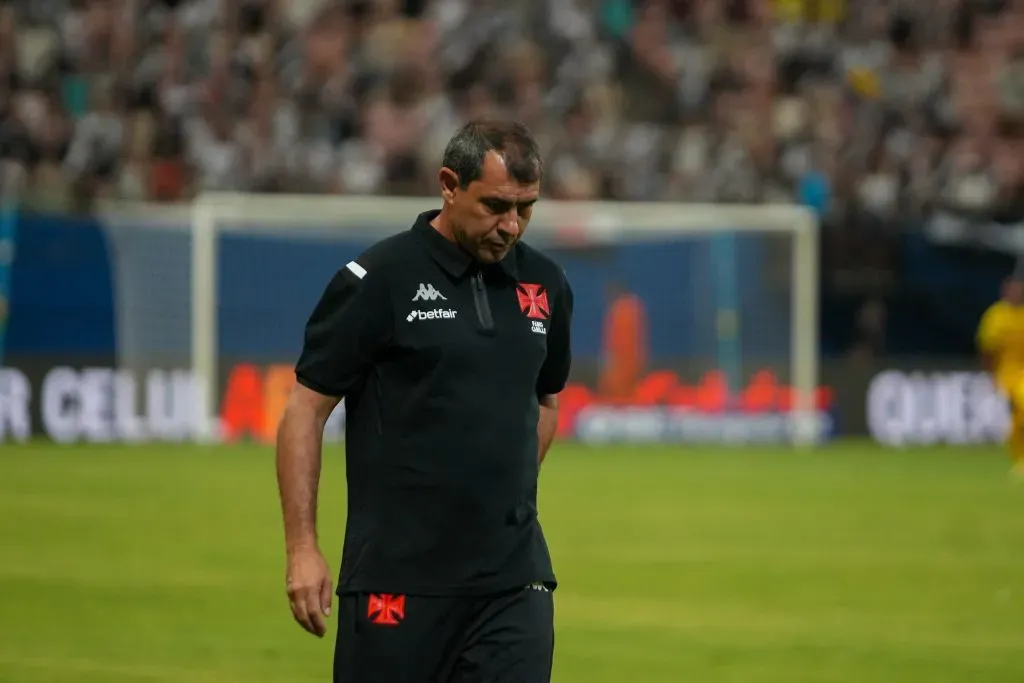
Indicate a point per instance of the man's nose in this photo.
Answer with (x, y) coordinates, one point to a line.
(509, 223)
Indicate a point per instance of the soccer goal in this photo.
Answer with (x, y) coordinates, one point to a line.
(693, 323)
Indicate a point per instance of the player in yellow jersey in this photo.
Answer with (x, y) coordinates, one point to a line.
(1001, 342)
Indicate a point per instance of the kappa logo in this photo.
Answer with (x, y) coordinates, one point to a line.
(533, 301)
(436, 314)
(428, 293)
(386, 609)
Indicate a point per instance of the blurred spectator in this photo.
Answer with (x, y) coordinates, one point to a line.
(969, 183)
(1011, 87)
(868, 112)
(869, 331)
(813, 187)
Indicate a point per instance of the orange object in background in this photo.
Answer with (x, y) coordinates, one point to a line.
(762, 392)
(254, 401)
(255, 398)
(242, 406)
(625, 346)
(710, 395)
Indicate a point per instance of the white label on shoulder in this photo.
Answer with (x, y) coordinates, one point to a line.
(356, 269)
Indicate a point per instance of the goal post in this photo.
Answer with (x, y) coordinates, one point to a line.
(727, 287)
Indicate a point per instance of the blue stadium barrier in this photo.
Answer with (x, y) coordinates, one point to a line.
(63, 293)
(8, 246)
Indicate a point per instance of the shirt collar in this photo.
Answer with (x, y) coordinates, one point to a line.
(448, 254)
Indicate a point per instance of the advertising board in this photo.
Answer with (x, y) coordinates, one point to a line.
(935, 407)
(95, 404)
(65, 404)
(87, 402)
(665, 408)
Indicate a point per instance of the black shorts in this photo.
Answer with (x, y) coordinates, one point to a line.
(503, 638)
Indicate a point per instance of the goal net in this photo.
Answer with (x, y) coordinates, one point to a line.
(693, 323)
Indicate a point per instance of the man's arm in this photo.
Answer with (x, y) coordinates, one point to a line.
(555, 371)
(299, 444)
(344, 335)
(547, 424)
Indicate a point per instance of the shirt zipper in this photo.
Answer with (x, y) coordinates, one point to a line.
(483, 307)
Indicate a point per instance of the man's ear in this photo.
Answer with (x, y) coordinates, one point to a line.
(449, 181)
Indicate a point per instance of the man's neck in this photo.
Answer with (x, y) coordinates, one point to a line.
(442, 224)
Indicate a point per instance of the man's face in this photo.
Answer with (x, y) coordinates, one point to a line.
(490, 215)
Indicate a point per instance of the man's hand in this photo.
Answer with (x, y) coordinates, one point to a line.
(310, 589)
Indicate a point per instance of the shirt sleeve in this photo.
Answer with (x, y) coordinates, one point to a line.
(346, 332)
(990, 331)
(555, 371)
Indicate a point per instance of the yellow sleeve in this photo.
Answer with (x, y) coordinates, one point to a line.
(990, 330)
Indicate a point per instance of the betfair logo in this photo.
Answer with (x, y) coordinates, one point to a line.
(436, 314)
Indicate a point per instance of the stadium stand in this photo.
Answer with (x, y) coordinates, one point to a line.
(876, 114)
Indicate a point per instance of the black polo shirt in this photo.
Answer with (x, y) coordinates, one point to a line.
(441, 361)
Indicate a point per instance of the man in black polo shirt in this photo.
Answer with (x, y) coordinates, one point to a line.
(449, 343)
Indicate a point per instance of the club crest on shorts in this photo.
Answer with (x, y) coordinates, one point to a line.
(386, 609)
(533, 301)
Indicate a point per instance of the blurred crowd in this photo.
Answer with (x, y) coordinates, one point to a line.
(880, 107)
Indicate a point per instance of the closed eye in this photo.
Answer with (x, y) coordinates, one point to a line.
(497, 206)
(502, 206)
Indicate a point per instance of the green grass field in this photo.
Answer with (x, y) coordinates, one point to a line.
(849, 564)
